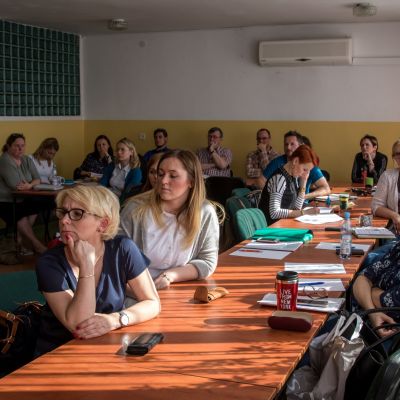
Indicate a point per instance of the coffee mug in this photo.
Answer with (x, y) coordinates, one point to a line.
(369, 181)
(287, 286)
(366, 220)
(56, 180)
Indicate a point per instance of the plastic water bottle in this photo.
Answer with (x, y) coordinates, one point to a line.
(53, 174)
(345, 234)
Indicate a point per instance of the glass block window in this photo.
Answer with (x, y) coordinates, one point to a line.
(39, 71)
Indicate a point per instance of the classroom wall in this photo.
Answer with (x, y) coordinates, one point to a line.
(187, 82)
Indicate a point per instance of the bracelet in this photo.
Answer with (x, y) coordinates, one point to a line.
(85, 276)
(164, 275)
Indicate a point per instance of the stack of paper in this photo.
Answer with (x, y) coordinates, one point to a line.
(258, 253)
(318, 219)
(334, 246)
(330, 285)
(271, 245)
(317, 268)
(370, 232)
(328, 304)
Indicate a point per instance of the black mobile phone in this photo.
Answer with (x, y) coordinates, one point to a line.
(354, 252)
(143, 343)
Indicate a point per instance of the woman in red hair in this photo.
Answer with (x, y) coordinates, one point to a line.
(283, 194)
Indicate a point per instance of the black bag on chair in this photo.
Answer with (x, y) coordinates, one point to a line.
(372, 358)
(18, 334)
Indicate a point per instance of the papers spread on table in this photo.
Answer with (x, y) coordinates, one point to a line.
(47, 186)
(271, 245)
(371, 232)
(317, 268)
(330, 285)
(317, 219)
(306, 303)
(334, 246)
(333, 197)
(258, 253)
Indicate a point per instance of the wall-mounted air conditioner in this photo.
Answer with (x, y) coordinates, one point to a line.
(306, 52)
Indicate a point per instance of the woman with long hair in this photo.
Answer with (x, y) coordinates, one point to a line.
(173, 224)
(43, 158)
(123, 177)
(283, 194)
(95, 162)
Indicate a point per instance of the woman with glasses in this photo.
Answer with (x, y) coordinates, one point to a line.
(84, 280)
(18, 173)
(124, 177)
(369, 162)
(173, 224)
(43, 158)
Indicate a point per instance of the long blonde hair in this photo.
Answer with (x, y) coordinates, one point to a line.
(134, 161)
(189, 216)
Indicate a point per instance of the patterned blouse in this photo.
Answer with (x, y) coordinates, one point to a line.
(385, 274)
(93, 164)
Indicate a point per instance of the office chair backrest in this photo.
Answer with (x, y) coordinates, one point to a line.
(247, 221)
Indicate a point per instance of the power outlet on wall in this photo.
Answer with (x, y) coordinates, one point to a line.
(142, 136)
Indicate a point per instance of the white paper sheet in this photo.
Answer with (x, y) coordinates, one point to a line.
(332, 304)
(334, 246)
(317, 219)
(315, 268)
(270, 254)
(282, 246)
(330, 285)
(322, 210)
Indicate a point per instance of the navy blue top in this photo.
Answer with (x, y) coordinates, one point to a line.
(385, 274)
(276, 163)
(151, 153)
(122, 261)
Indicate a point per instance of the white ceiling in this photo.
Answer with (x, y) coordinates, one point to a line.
(88, 17)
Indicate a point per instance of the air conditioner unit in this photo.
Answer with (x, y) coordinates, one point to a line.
(306, 52)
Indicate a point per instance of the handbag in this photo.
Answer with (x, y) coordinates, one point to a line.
(372, 358)
(331, 356)
(19, 331)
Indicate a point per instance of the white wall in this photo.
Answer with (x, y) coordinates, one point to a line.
(205, 75)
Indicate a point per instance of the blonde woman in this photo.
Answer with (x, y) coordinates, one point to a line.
(123, 177)
(84, 280)
(43, 158)
(173, 224)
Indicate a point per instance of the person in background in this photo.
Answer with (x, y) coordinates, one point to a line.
(43, 158)
(173, 224)
(85, 279)
(18, 172)
(258, 160)
(95, 162)
(152, 172)
(292, 140)
(124, 177)
(283, 194)
(161, 141)
(215, 160)
(378, 285)
(369, 162)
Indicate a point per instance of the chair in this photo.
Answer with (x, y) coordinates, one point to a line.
(220, 210)
(234, 204)
(219, 188)
(240, 192)
(247, 221)
(18, 287)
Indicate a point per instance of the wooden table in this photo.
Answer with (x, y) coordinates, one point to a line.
(223, 349)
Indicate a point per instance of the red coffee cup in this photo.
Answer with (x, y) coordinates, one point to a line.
(287, 285)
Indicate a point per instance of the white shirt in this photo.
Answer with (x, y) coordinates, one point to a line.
(43, 168)
(164, 246)
(117, 181)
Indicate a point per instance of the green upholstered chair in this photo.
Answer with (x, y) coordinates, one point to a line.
(18, 287)
(247, 221)
(235, 203)
(240, 192)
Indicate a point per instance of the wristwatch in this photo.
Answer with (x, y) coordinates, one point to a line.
(123, 318)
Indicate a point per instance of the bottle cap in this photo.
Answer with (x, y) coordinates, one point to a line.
(346, 215)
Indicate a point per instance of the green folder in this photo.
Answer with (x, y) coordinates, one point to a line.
(284, 234)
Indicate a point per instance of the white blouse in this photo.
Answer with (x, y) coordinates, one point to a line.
(43, 168)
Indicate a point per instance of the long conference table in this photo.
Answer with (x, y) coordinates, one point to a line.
(224, 349)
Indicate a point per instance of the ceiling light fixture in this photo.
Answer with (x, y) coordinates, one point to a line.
(117, 24)
(364, 10)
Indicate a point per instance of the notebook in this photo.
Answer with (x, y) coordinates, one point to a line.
(370, 232)
(47, 186)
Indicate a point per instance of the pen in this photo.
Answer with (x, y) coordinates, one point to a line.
(250, 251)
(311, 283)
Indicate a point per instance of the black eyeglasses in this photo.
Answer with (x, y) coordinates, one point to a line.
(74, 214)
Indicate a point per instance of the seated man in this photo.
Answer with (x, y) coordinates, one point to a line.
(215, 160)
(160, 140)
(257, 160)
(292, 140)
